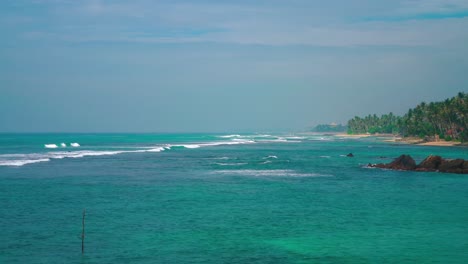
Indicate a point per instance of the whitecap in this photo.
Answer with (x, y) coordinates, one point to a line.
(20, 162)
(270, 157)
(279, 139)
(325, 157)
(222, 158)
(23, 159)
(270, 173)
(191, 146)
(215, 143)
(238, 139)
(262, 135)
(159, 149)
(231, 164)
(63, 145)
(231, 136)
(294, 137)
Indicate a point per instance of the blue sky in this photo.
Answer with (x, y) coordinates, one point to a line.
(223, 66)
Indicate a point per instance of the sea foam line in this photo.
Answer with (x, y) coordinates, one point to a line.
(270, 173)
(23, 159)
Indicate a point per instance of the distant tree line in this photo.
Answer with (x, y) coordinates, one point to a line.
(329, 128)
(447, 120)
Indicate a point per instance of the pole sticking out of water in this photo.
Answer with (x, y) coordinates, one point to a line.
(83, 232)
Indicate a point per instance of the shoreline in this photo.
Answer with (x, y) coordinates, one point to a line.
(390, 138)
(442, 144)
(420, 142)
(351, 135)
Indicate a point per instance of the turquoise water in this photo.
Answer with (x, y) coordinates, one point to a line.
(206, 198)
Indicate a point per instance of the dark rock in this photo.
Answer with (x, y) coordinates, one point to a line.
(404, 162)
(430, 163)
(350, 155)
(380, 165)
(453, 166)
(465, 165)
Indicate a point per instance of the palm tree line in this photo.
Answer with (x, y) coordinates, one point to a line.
(446, 120)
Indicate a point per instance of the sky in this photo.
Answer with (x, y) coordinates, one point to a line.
(223, 66)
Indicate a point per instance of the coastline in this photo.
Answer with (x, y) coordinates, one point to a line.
(441, 144)
(352, 135)
(420, 142)
(408, 140)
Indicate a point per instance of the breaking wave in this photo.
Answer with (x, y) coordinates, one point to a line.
(231, 136)
(23, 159)
(233, 139)
(20, 162)
(62, 145)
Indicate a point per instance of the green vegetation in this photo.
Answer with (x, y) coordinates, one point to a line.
(447, 120)
(329, 128)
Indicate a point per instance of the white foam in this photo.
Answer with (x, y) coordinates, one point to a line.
(63, 145)
(222, 158)
(20, 162)
(294, 137)
(159, 149)
(279, 139)
(262, 135)
(22, 159)
(270, 173)
(325, 157)
(231, 164)
(228, 143)
(231, 136)
(270, 157)
(191, 146)
(215, 143)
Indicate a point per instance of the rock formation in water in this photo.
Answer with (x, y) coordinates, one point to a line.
(431, 163)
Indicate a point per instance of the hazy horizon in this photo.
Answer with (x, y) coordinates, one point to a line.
(223, 66)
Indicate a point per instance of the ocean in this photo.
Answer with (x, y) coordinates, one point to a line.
(219, 198)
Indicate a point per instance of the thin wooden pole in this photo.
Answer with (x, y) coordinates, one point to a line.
(83, 232)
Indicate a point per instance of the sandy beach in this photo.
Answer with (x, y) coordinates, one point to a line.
(421, 142)
(440, 143)
(408, 140)
(352, 135)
